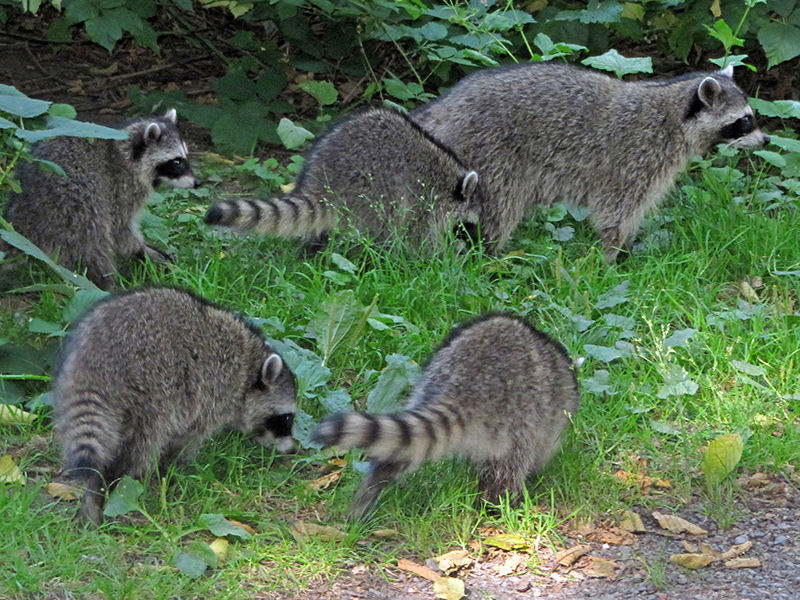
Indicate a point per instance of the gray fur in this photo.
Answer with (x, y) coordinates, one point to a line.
(542, 132)
(376, 172)
(150, 374)
(91, 217)
(497, 392)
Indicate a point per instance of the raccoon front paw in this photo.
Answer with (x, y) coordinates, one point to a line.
(156, 255)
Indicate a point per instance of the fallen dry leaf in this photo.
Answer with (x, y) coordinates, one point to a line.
(602, 567)
(453, 561)
(449, 588)
(612, 535)
(642, 481)
(510, 565)
(384, 533)
(62, 491)
(691, 561)
(707, 549)
(677, 525)
(743, 563)
(324, 482)
(690, 547)
(754, 481)
(631, 521)
(748, 293)
(244, 526)
(737, 550)
(12, 415)
(9, 471)
(568, 556)
(417, 569)
(220, 548)
(508, 541)
(302, 530)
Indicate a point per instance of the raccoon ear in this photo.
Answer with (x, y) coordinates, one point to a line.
(469, 183)
(708, 91)
(152, 134)
(271, 369)
(727, 72)
(171, 115)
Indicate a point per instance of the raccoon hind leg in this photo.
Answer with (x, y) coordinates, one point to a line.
(381, 474)
(500, 477)
(93, 499)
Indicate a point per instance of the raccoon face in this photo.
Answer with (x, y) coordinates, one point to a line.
(719, 113)
(270, 405)
(160, 153)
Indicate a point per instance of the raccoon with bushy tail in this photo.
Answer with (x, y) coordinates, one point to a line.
(497, 392)
(90, 218)
(150, 374)
(376, 173)
(539, 133)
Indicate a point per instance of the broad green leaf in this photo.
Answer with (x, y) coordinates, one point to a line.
(609, 11)
(679, 339)
(773, 158)
(302, 427)
(787, 144)
(236, 85)
(40, 326)
(722, 456)
(336, 401)
(664, 428)
(270, 84)
(400, 373)
(598, 383)
(124, 498)
(293, 136)
(6, 124)
(324, 92)
(614, 61)
(604, 353)
(60, 126)
(307, 367)
(337, 318)
(722, 31)
(556, 212)
(784, 109)
(154, 228)
(748, 369)
(220, 526)
(613, 320)
(344, 264)
(677, 383)
(781, 42)
(81, 301)
(63, 110)
(614, 296)
(732, 60)
(337, 278)
(193, 560)
(21, 105)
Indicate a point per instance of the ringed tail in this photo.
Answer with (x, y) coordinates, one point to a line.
(288, 216)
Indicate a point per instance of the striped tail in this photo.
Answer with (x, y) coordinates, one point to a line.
(91, 441)
(289, 216)
(410, 436)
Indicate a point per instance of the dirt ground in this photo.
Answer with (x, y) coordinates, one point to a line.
(95, 83)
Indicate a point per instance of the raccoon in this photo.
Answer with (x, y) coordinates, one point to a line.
(497, 391)
(376, 171)
(542, 132)
(92, 215)
(150, 374)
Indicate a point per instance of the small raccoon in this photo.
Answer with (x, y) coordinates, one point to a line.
(150, 374)
(497, 391)
(92, 215)
(377, 171)
(541, 132)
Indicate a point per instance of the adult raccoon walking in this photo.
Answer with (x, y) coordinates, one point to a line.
(497, 391)
(91, 216)
(376, 172)
(541, 132)
(150, 374)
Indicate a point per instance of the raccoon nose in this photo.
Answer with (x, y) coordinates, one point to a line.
(766, 140)
(197, 183)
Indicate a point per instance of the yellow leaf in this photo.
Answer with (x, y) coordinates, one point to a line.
(743, 563)
(244, 526)
(11, 415)
(287, 188)
(715, 9)
(631, 522)
(691, 561)
(722, 456)
(302, 530)
(62, 491)
(220, 548)
(677, 525)
(453, 561)
(324, 482)
(449, 588)
(737, 550)
(508, 541)
(384, 533)
(9, 472)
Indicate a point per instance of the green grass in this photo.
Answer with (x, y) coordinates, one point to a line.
(712, 235)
